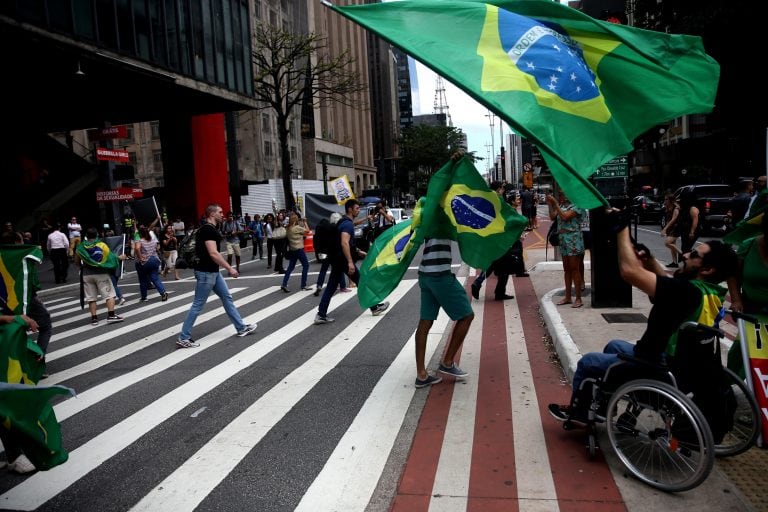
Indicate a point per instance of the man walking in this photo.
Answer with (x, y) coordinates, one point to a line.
(209, 279)
(98, 262)
(440, 288)
(73, 228)
(57, 245)
(345, 262)
(232, 229)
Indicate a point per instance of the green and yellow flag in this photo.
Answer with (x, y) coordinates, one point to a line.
(459, 206)
(18, 277)
(96, 253)
(580, 88)
(746, 229)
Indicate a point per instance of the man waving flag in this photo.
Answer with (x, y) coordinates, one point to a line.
(459, 206)
(580, 88)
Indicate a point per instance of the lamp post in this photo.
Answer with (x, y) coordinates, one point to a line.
(491, 117)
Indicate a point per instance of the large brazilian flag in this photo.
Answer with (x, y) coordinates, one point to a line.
(580, 88)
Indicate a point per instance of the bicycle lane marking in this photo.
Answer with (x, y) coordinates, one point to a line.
(580, 484)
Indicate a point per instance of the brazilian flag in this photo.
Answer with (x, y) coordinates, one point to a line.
(18, 276)
(580, 88)
(460, 206)
(96, 253)
(746, 229)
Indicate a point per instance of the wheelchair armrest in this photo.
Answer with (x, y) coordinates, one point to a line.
(645, 363)
(705, 330)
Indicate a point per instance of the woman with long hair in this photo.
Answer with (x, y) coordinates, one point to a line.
(296, 231)
(670, 230)
(148, 264)
(571, 245)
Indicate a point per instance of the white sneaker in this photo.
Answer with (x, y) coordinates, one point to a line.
(122, 301)
(22, 465)
(248, 329)
(323, 320)
(380, 308)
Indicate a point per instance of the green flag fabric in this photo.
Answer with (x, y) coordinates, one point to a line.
(26, 410)
(24, 407)
(580, 88)
(746, 229)
(459, 206)
(18, 276)
(96, 253)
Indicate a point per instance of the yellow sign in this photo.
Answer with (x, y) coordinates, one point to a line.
(756, 341)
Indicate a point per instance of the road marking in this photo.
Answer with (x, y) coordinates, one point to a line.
(186, 487)
(535, 485)
(76, 308)
(61, 300)
(355, 466)
(451, 486)
(45, 485)
(127, 328)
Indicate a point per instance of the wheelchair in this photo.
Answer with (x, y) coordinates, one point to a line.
(653, 418)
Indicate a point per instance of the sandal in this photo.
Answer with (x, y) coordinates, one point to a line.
(577, 304)
(563, 302)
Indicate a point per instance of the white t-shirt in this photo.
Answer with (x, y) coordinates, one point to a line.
(74, 229)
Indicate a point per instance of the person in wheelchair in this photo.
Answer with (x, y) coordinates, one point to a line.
(692, 294)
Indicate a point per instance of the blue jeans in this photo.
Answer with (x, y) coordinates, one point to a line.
(149, 272)
(301, 256)
(595, 364)
(323, 270)
(338, 269)
(207, 281)
(118, 292)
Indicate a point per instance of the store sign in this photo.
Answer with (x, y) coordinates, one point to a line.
(112, 132)
(114, 155)
(119, 194)
(616, 168)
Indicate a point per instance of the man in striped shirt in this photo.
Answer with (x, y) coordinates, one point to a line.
(440, 288)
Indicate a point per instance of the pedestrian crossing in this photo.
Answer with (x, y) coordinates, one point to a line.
(304, 417)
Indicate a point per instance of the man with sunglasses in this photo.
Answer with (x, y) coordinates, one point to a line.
(693, 294)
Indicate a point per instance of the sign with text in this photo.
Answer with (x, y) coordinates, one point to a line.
(119, 194)
(618, 167)
(112, 132)
(755, 338)
(114, 155)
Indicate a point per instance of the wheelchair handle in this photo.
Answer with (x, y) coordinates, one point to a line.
(744, 316)
(694, 326)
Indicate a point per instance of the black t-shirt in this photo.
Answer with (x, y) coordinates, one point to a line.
(206, 232)
(675, 302)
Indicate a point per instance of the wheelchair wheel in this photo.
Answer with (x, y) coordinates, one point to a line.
(746, 419)
(660, 435)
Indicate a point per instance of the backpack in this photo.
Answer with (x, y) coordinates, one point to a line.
(327, 239)
(188, 257)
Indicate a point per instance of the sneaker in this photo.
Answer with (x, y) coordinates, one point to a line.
(190, 343)
(475, 292)
(143, 299)
(306, 288)
(560, 412)
(323, 320)
(248, 329)
(452, 370)
(164, 297)
(121, 301)
(317, 291)
(22, 465)
(430, 380)
(113, 319)
(379, 308)
(94, 320)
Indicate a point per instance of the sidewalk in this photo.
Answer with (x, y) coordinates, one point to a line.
(736, 483)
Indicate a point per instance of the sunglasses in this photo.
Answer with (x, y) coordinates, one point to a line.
(694, 254)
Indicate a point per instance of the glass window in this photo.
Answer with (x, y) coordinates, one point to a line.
(267, 148)
(265, 124)
(155, 127)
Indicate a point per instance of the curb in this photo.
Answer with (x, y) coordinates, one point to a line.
(565, 347)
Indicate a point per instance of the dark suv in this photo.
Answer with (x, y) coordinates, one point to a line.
(714, 203)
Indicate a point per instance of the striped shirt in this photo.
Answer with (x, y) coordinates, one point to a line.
(437, 257)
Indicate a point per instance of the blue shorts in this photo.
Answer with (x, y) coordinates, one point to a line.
(443, 291)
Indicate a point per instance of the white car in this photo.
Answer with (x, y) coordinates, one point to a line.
(398, 214)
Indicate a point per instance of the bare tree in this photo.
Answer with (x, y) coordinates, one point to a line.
(297, 69)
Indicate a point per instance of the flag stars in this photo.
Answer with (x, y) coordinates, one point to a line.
(573, 77)
(552, 86)
(530, 65)
(556, 47)
(559, 69)
(553, 79)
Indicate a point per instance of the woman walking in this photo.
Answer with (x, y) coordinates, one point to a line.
(296, 231)
(670, 229)
(170, 245)
(148, 264)
(571, 245)
(688, 221)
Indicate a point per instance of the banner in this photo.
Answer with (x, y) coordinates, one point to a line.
(342, 189)
(118, 194)
(754, 349)
(146, 212)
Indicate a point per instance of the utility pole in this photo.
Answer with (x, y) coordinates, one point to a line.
(502, 157)
(490, 115)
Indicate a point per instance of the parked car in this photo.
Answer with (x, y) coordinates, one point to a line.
(714, 203)
(648, 210)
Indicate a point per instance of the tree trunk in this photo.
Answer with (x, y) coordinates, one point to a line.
(285, 161)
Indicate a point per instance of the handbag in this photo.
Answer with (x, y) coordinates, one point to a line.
(279, 233)
(552, 236)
